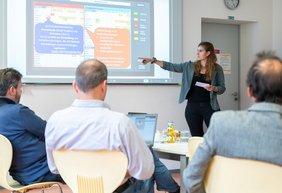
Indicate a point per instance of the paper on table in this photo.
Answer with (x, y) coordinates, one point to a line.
(202, 84)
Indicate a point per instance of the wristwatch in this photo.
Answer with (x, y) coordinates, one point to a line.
(154, 60)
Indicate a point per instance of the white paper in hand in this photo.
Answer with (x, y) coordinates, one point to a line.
(202, 84)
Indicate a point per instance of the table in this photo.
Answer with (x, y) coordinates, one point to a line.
(174, 151)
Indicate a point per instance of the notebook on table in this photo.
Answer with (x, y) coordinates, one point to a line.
(146, 124)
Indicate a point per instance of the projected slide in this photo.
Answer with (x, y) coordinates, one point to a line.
(47, 39)
(109, 32)
(66, 32)
(58, 35)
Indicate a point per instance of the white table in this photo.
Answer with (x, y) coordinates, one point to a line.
(174, 151)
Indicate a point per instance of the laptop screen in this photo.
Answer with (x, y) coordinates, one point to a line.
(146, 124)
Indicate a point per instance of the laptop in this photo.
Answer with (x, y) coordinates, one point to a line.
(146, 124)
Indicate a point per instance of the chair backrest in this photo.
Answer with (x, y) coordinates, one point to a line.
(6, 155)
(6, 181)
(91, 171)
(235, 175)
(193, 143)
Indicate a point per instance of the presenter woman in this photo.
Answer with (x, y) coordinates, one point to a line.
(202, 81)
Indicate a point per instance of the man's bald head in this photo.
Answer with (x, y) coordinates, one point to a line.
(265, 78)
(89, 74)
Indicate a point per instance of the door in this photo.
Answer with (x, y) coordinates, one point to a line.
(225, 38)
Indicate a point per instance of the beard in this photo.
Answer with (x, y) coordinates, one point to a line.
(18, 97)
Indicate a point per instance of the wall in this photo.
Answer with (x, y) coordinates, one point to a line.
(277, 27)
(45, 99)
(2, 33)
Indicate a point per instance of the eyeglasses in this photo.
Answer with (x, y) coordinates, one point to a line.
(200, 50)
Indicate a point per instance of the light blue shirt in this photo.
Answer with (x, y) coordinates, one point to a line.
(187, 70)
(91, 125)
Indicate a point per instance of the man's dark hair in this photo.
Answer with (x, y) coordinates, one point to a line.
(89, 74)
(265, 78)
(9, 77)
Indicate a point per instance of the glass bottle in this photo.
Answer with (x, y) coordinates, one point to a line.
(170, 132)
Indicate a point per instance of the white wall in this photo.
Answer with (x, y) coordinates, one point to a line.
(277, 27)
(2, 34)
(256, 34)
(45, 99)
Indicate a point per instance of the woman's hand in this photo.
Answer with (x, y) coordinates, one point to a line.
(152, 61)
(146, 60)
(211, 88)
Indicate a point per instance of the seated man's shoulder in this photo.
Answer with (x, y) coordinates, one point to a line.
(17, 110)
(230, 115)
(17, 107)
(119, 117)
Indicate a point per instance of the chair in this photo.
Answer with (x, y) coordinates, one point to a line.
(88, 171)
(235, 175)
(193, 143)
(6, 181)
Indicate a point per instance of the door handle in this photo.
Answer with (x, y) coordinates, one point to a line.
(235, 95)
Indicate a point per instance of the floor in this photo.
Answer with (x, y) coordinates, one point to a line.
(66, 189)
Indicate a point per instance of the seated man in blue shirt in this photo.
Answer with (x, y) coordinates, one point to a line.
(25, 130)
